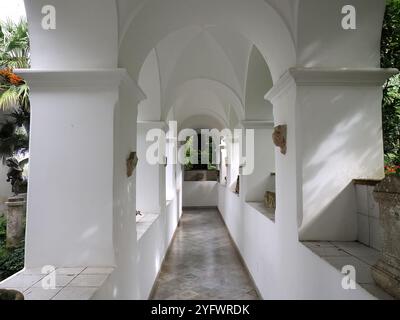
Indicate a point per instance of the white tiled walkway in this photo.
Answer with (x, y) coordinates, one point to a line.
(71, 283)
(339, 254)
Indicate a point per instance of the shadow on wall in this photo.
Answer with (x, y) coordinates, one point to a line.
(346, 145)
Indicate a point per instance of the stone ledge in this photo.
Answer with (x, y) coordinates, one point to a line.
(341, 76)
(366, 182)
(259, 206)
(144, 223)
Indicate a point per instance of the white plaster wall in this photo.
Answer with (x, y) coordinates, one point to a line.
(69, 212)
(148, 175)
(152, 247)
(341, 132)
(264, 164)
(86, 34)
(323, 41)
(281, 267)
(149, 82)
(123, 282)
(369, 229)
(200, 193)
(170, 174)
(258, 82)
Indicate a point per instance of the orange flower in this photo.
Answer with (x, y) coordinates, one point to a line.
(15, 80)
(11, 77)
(5, 72)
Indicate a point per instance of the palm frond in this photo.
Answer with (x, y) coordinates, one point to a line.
(9, 99)
(14, 44)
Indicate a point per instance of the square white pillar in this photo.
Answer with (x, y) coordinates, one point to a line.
(70, 197)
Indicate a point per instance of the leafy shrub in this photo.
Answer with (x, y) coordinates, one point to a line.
(3, 227)
(11, 260)
(390, 58)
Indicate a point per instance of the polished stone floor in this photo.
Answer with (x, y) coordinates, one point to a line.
(202, 263)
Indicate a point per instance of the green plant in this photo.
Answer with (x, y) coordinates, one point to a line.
(14, 92)
(199, 154)
(390, 58)
(14, 53)
(14, 45)
(3, 227)
(14, 130)
(12, 261)
(13, 140)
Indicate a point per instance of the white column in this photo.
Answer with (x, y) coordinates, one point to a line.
(70, 198)
(288, 166)
(151, 192)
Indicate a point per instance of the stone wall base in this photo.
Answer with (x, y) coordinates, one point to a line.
(387, 277)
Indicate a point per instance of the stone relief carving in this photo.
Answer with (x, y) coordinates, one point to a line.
(279, 137)
(131, 163)
(270, 200)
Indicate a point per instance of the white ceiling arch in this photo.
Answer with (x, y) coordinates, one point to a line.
(204, 96)
(256, 20)
(209, 52)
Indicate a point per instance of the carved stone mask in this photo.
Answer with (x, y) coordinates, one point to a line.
(279, 137)
(131, 163)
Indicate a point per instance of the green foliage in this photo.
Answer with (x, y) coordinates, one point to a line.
(12, 96)
(14, 130)
(14, 45)
(11, 260)
(14, 92)
(189, 148)
(14, 53)
(390, 58)
(3, 226)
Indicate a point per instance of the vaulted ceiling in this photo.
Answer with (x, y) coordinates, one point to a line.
(192, 57)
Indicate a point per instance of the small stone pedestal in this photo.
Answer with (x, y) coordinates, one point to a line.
(15, 220)
(386, 272)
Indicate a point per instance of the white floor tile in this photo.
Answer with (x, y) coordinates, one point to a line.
(69, 271)
(23, 281)
(329, 251)
(377, 292)
(362, 252)
(317, 244)
(75, 293)
(88, 280)
(97, 270)
(363, 270)
(37, 293)
(61, 280)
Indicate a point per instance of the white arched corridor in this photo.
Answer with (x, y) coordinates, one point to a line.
(113, 70)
